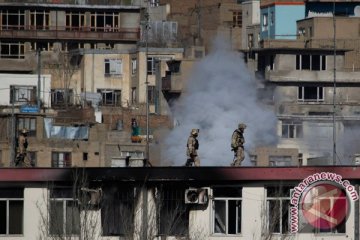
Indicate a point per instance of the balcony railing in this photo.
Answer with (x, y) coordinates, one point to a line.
(69, 33)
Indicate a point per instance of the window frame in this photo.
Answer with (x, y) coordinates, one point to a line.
(13, 50)
(115, 97)
(113, 67)
(150, 66)
(285, 198)
(65, 162)
(294, 129)
(227, 210)
(319, 94)
(58, 97)
(15, 92)
(299, 64)
(65, 220)
(7, 200)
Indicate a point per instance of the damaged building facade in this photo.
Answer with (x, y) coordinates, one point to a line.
(162, 203)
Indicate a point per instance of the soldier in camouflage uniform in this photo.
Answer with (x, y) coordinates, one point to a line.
(191, 149)
(22, 159)
(237, 145)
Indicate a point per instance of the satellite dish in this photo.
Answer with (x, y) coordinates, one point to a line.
(357, 11)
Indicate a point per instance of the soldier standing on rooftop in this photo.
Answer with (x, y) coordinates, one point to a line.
(191, 149)
(237, 145)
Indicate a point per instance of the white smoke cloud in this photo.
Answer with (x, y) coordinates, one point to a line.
(220, 94)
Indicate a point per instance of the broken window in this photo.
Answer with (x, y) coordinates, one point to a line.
(173, 212)
(61, 159)
(12, 19)
(310, 94)
(278, 205)
(117, 210)
(110, 97)
(12, 50)
(64, 215)
(61, 97)
(22, 94)
(291, 129)
(28, 123)
(113, 67)
(11, 211)
(227, 210)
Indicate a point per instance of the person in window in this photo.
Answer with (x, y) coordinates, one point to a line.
(22, 159)
(237, 145)
(191, 149)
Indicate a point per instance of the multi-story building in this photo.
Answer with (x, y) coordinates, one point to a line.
(105, 65)
(313, 87)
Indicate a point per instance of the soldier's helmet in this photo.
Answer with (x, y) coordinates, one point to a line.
(242, 126)
(194, 131)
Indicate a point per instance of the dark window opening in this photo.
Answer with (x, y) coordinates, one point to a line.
(117, 211)
(85, 156)
(305, 62)
(315, 62)
(174, 213)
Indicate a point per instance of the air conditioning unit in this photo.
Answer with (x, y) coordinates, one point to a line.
(196, 196)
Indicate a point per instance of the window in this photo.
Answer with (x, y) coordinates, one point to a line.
(133, 95)
(113, 67)
(12, 50)
(61, 97)
(64, 213)
(61, 159)
(11, 211)
(110, 97)
(151, 94)
(277, 205)
(75, 21)
(237, 18)
(310, 94)
(272, 18)
(22, 94)
(39, 20)
(250, 40)
(227, 210)
(151, 66)
(173, 212)
(105, 22)
(133, 66)
(265, 22)
(291, 129)
(117, 210)
(312, 62)
(154, 3)
(32, 156)
(12, 19)
(27, 122)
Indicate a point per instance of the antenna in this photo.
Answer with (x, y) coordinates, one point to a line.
(334, 88)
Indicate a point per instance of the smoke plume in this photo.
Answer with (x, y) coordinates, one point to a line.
(220, 94)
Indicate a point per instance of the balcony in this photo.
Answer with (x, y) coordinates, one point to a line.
(172, 83)
(311, 76)
(121, 34)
